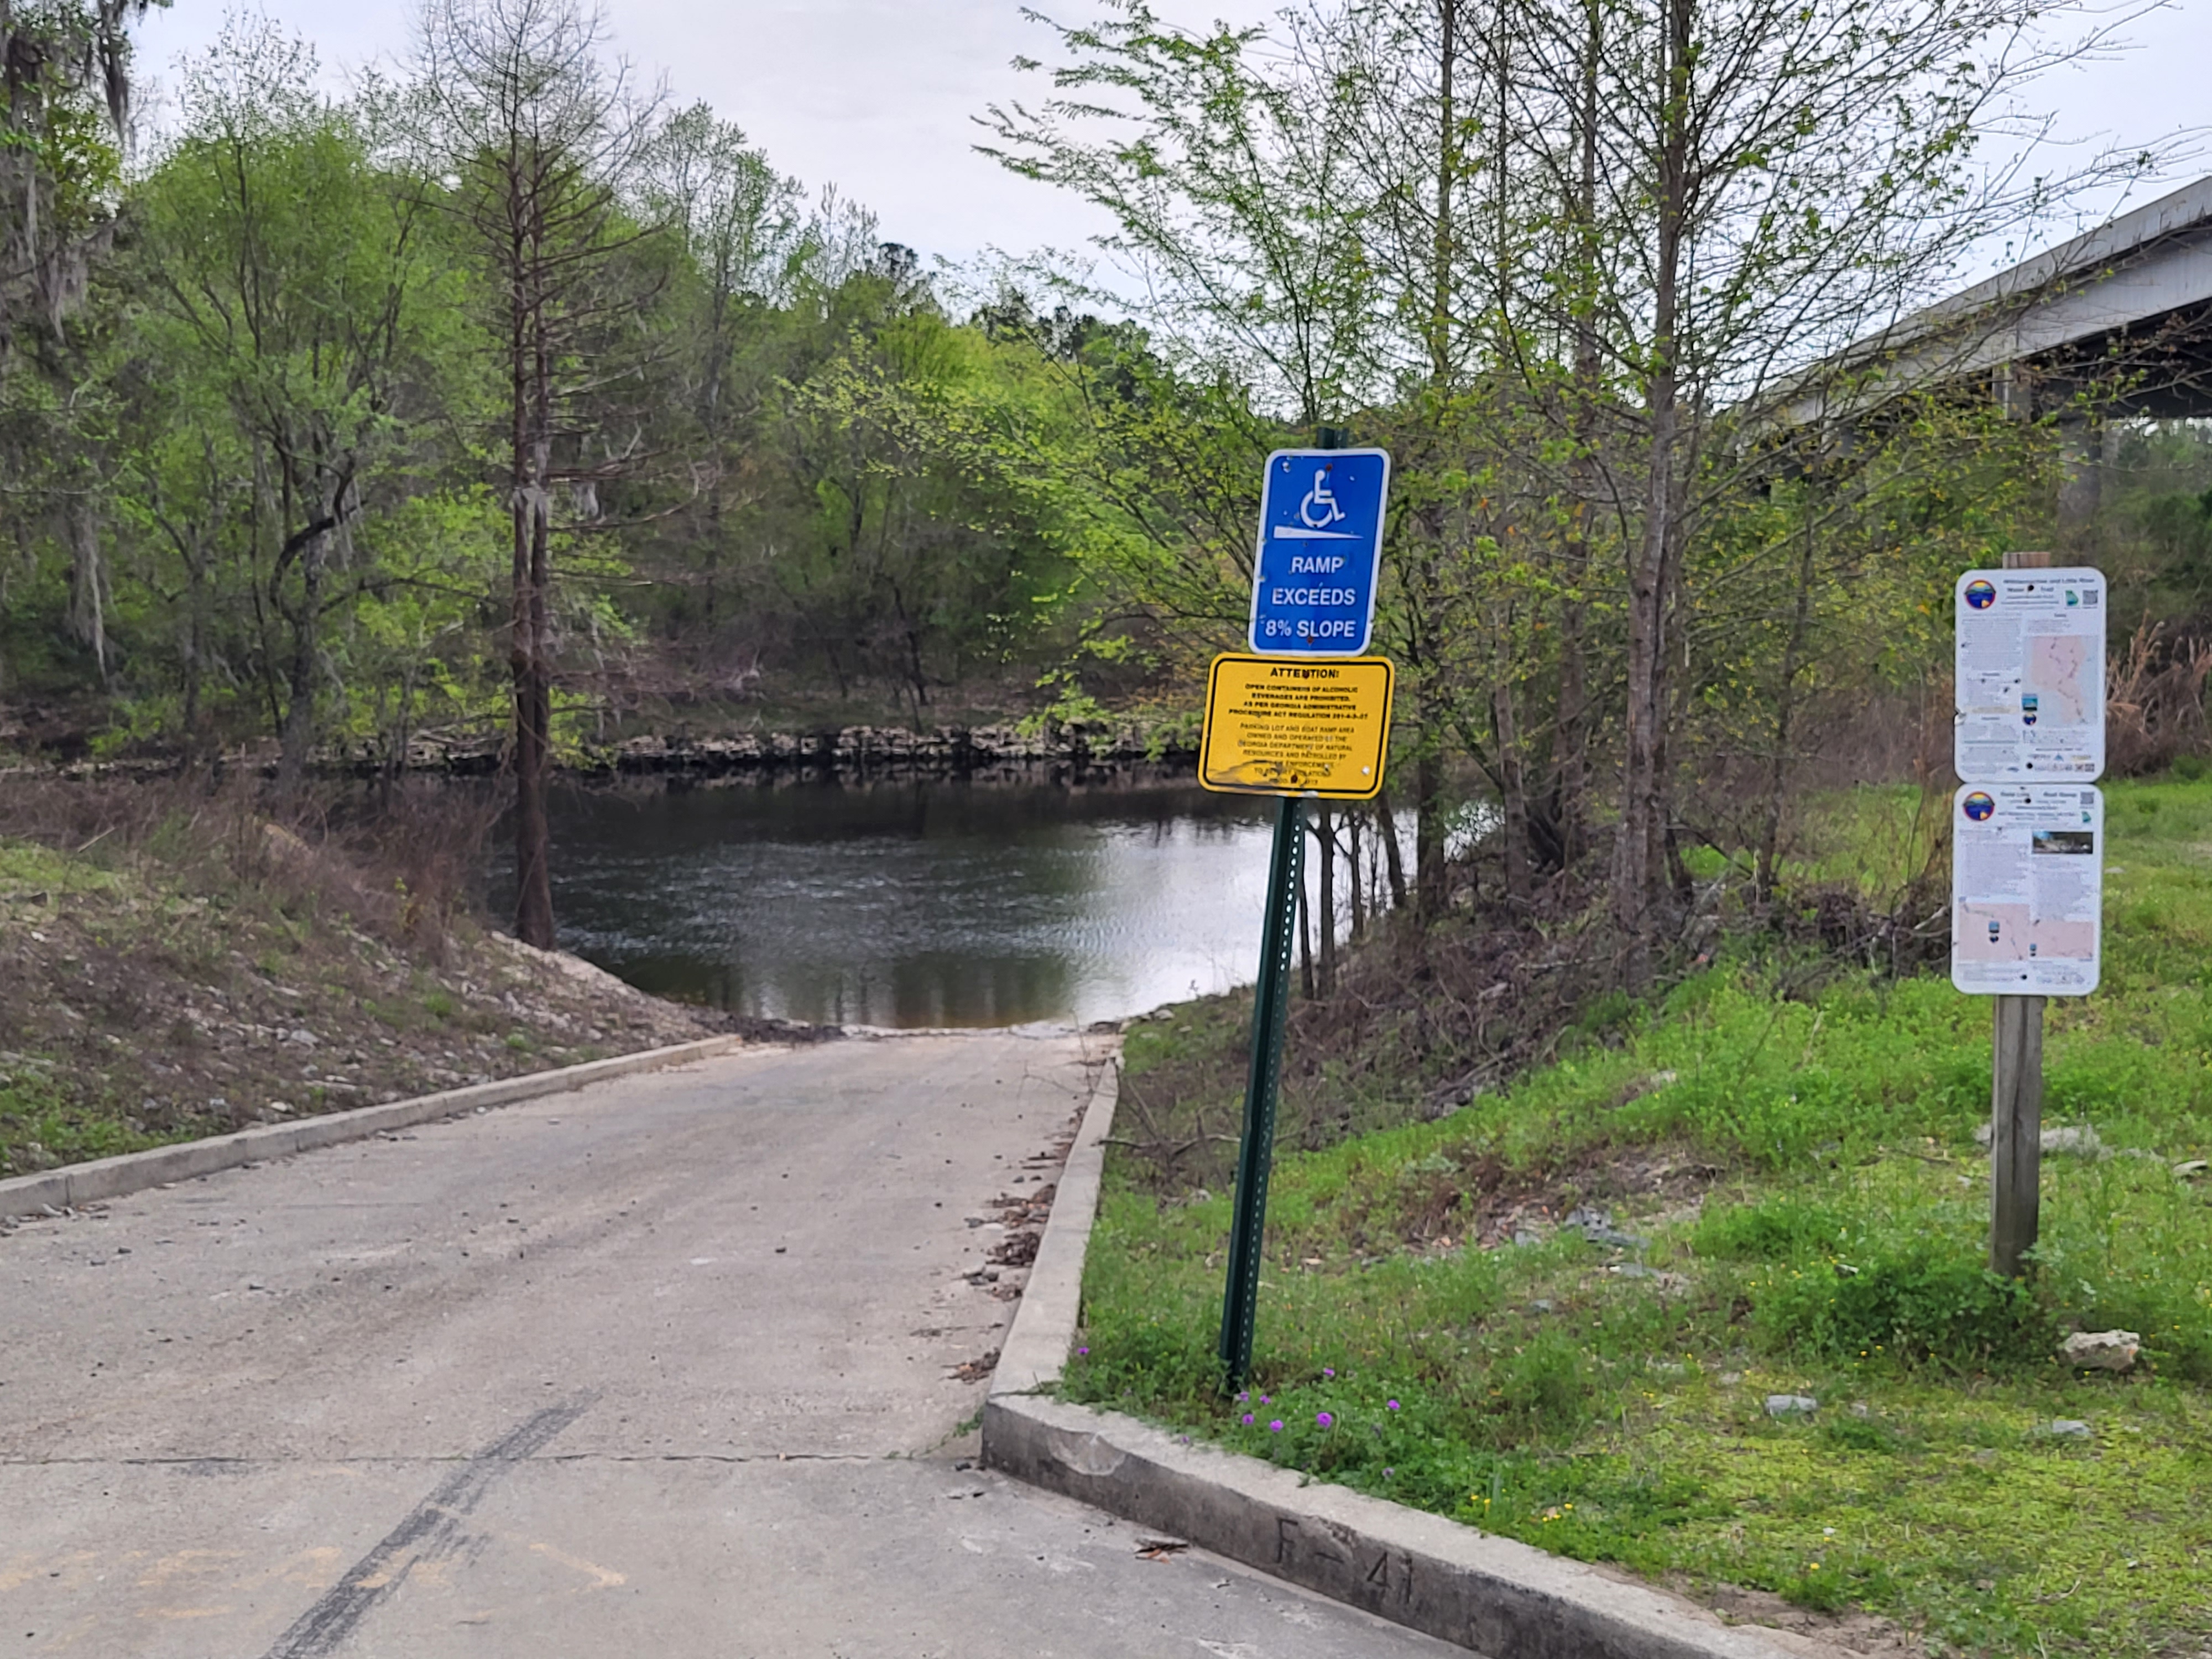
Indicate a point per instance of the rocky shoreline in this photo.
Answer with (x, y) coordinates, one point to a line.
(1072, 752)
(958, 751)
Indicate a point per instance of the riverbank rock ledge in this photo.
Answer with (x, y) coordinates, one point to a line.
(871, 748)
(1059, 751)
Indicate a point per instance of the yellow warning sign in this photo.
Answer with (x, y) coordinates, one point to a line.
(1278, 725)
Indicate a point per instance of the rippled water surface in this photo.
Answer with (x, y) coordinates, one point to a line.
(914, 903)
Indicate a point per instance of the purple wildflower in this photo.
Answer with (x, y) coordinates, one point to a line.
(1328, 1370)
(1276, 1427)
(1079, 1352)
(1394, 1405)
(1248, 1420)
(1324, 1419)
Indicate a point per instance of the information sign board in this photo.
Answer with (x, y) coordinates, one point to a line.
(2027, 889)
(2030, 676)
(1278, 727)
(1321, 551)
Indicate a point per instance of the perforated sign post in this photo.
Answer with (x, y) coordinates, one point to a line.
(1305, 714)
(2027, 842)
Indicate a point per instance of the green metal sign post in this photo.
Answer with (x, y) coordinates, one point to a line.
(1271, 999)
(1270, 1008)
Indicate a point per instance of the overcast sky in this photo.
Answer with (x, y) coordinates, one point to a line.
(877, 96)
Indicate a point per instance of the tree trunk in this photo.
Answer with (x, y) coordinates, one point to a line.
(297, 735)
(1353, 880)
(195, 643)
(1428, 762)
(717, 353)
(531, 390)
(1448, 138)
(1675, 690)
(1324, 827)
(1571, 724)
(1634, 874)
(1429, 896)
(1637, 852)
(1393, 856)
(1512, 780)
(1571, 733)
(87, 604)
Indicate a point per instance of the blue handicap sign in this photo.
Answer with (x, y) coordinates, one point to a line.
(1321, 552)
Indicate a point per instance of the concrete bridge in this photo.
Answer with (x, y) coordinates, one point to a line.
(2122, 313)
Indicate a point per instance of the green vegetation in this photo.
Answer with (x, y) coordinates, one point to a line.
(256, 440)
(491, 410)
(1775, 1173)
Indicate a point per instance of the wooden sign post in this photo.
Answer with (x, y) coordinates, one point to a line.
(2016, 1102)
(2015, 1134)
(2027, 842)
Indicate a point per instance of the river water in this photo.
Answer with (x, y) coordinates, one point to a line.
(914, 903)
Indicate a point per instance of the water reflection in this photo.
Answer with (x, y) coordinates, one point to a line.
(914, 903)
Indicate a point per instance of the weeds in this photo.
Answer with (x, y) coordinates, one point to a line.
(172, 964)
(405, 873)
(1557, 1313)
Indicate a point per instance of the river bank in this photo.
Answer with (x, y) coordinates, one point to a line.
(173, 965)
(1701, 1292)
(1053, 752)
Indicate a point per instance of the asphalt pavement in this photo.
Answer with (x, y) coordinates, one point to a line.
(680, 1366)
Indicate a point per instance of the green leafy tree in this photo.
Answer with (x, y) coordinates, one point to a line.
(294, 287)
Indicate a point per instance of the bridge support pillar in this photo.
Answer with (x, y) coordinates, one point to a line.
(2084, 446)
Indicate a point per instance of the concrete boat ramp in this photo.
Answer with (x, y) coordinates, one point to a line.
(680, 1365)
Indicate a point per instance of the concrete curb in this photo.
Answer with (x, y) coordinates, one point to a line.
(1496, 1595)
(133, 1172)
(1035, 1350)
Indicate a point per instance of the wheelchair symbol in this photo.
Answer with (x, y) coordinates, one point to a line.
(1319, 510)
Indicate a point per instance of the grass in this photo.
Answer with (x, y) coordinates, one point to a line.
(1781, 1195)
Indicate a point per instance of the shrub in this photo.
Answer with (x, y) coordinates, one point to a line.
(1923, 1306)
(1781, 1229)
(1542, 1390)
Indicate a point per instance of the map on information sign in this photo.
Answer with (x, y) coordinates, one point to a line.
(2030, 676)
(2027, 889)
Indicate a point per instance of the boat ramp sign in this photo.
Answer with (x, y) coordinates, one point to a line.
(2027, 826)
(1306, 715)
(1321, 552)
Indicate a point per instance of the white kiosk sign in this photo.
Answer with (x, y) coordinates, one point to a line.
(2030, 676)
(2027, 889)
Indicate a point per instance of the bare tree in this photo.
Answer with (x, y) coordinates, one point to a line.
(1772, 178)
(533, 138)
(740, 221)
